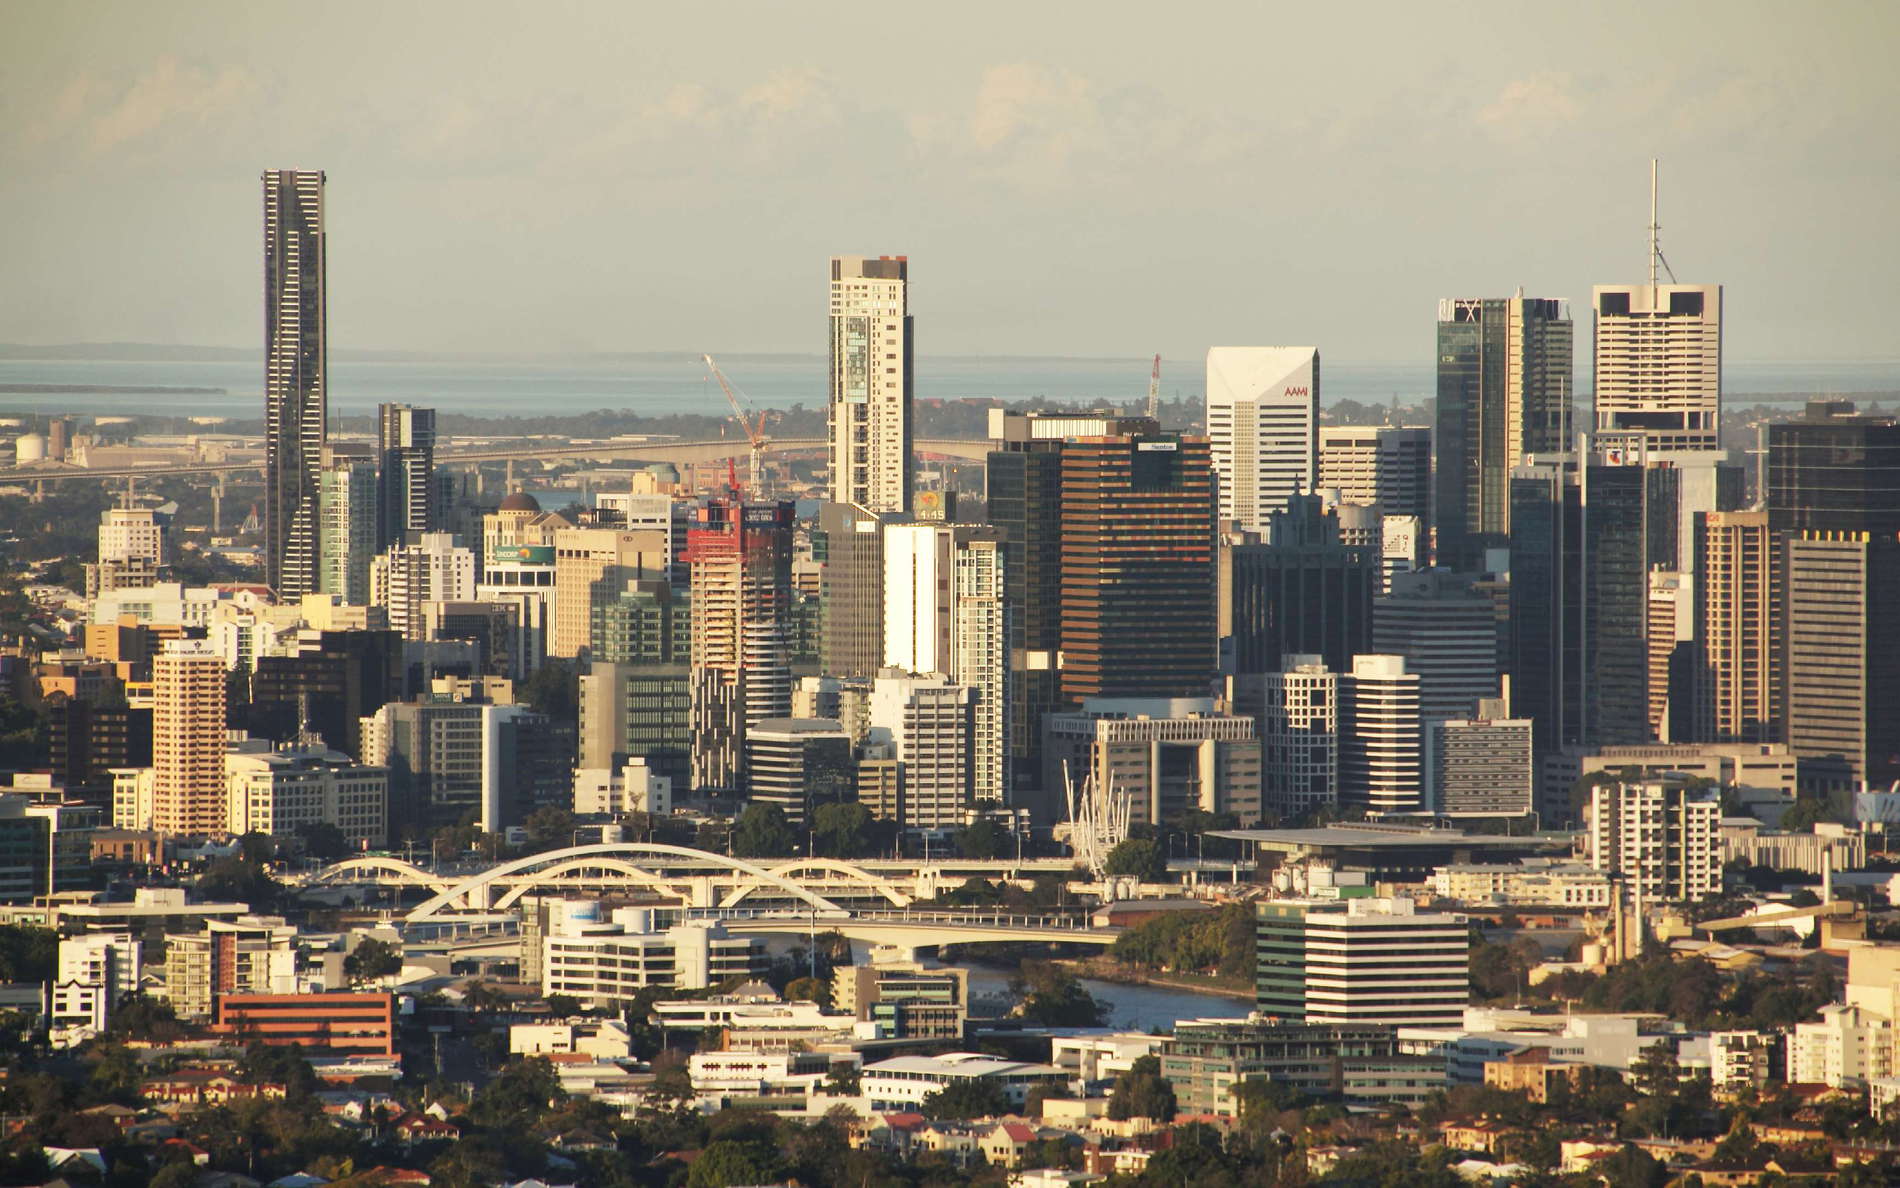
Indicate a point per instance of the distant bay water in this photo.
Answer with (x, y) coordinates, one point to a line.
(667, 384)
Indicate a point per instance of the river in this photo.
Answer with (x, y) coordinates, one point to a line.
(1133, 1008)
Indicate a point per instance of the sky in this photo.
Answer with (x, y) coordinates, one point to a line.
(1100, 179)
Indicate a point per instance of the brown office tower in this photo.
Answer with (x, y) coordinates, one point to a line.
(1736, 613)
(741, 559)
(1138, 577)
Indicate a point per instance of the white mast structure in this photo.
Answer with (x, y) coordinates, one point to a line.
(1098, 821)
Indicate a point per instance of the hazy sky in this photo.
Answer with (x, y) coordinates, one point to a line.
(1078, 178)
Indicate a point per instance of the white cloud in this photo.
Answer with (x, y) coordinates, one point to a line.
(168, 93)
(1529, 107)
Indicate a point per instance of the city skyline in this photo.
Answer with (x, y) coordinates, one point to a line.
(1068, 142)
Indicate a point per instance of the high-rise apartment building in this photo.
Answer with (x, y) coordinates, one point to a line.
(296, 365)
(1659, 836)
(1381, 737)
(348, 511)
(1138, 607)
(1362, 961)
(1382, 466)
(432, 569)
(1736, 617)
(1298, 712)
(1504, 391)
(453, 761)
(1263, 427)
(870, 407)
(929, 723)
(131, 550)
(741, 559)
(406, 450)
(188, 739)
(637, 711)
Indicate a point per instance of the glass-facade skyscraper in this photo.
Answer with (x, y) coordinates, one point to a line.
(1504, 391)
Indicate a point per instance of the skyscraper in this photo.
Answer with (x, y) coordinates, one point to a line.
(1381, 737)
(406, 451)
(871, 382)
(296, 363)
(848, 545)
(1382, 466)
(1504, 391)
(348, 505)
(1656, 358)
(741, 559)
(1304, 591)
(1736, 616)
(1263, 426)
(1138, 611)
(188, 739)
(1834, 510)
(1448, 634)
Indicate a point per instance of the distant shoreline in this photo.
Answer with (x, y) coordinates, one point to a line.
(110, 390)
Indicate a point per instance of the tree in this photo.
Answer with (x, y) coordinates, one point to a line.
(727, 1162)
(550, 827)
(323, 840)
(373, 959)
(841, 830)
(976, 1098)
(984, 839)
(553, 690)
(1804, 814)
(1632, 1167)
(1142, 1092)
(1053, 997)
(808, 990)
(1141, 857)
(519, 1095)
(762, 832)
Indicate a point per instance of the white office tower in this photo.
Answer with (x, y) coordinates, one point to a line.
(929, 722)
(1381, 761)
(1480, 766)
(1659, 836)
(434, 569)
(1263, 426)
(1657, 358)
(1299, 738)
(94, 973)
(131, 550)
(870, 383)
(943, 614)
(1384, 466)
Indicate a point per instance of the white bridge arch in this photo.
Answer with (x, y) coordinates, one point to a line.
(471, 892)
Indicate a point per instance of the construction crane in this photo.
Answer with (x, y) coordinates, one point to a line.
(1154, 388)
(754, 434)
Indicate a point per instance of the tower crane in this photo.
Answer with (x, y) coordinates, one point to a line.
(1154, 388)
(754, 434)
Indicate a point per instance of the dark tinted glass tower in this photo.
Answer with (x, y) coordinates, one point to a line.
(1504, 368)
(1303, 592)
(295, 367)
(1581, 548)
(1138, 581)
(410, 494)
(1834, 513)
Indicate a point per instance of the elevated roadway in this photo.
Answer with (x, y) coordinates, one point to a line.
(651, 451)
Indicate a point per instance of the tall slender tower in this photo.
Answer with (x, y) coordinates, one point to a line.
(741, 559)
(407, 439)
(296, 363)
(1657, 359)
(871, 382)
(188, 739)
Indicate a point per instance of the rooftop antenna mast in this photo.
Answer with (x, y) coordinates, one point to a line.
(1655, 232)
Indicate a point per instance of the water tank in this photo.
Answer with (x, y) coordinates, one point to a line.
(30, 447)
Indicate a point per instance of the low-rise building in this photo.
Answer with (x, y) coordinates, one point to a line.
(905, 1081)
(249, 955)
(904, 999)
(282, 791)
(1837, 847)
(315, 1022)
(607, 1039)
(1487, 1034)
(1530, 1072)
(606, 964)
(1846, 1048)
(1538, 882)
(94, 972)
(1738, 1060)
(1206, 1058)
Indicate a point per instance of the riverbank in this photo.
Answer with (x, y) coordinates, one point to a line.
(1104, 969)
